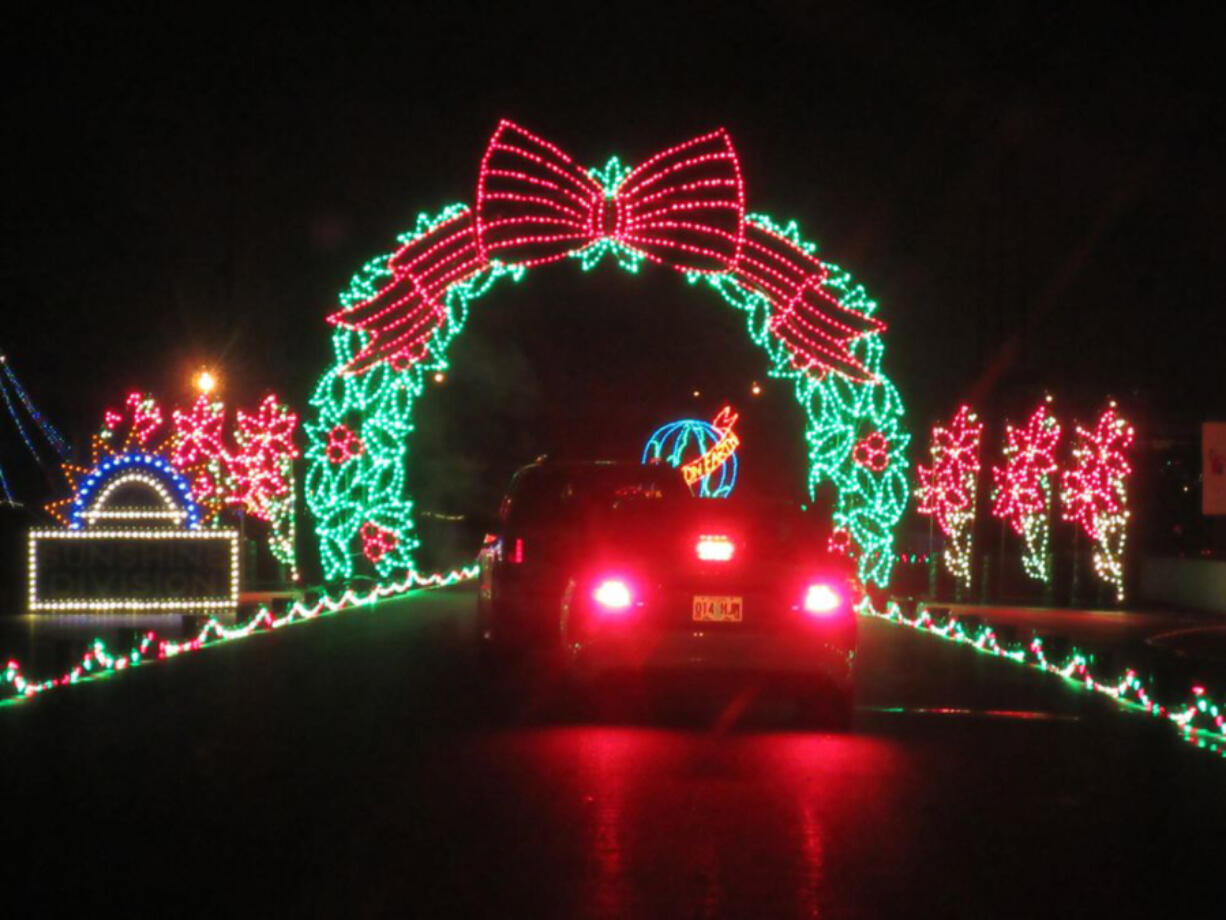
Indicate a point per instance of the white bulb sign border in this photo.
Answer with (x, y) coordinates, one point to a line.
(113, 558)
(227, 600)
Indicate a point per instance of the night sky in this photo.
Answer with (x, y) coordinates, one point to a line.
(1033, 196)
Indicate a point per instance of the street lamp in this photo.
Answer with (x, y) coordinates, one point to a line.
(206, 381)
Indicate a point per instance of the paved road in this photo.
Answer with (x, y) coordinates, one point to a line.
(358, 766)
(1090, 627)
(1187, 648)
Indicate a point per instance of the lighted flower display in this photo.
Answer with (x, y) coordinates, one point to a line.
(948, 488)
(1023, 488)
(1095, 493)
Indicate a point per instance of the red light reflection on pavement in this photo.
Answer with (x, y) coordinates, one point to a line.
(604, 755)
(690, 823)
(809, 889)
(841, 789)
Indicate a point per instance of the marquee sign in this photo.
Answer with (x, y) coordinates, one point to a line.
(102, 569)
(133, 541)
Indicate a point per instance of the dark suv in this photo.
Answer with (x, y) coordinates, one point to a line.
(613, 567)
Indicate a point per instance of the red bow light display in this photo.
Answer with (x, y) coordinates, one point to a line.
(683, 208)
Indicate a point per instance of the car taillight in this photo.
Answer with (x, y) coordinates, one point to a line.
(822, 599)
(517, 554)
(714, 547)
(613, 595)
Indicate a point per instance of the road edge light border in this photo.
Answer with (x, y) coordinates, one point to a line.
(683, 209)
(98, 661)
(1200, 720)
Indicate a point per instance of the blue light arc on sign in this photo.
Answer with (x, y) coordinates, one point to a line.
(681, 442)
(112, 467)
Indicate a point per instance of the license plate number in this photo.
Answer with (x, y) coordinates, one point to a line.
(717, 608)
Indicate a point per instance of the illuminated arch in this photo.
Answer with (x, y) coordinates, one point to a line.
(682, 209)
(94, 490)
(103, 507)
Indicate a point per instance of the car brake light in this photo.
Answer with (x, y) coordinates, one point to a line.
(715, 548)
(517, 555)
(613, 594)
(821, 599)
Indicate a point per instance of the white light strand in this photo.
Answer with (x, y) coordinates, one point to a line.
(185, 604)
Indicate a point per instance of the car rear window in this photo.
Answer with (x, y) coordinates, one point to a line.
(777, 526)
(545, 495)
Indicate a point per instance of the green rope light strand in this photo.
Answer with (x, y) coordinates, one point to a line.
(365, 486)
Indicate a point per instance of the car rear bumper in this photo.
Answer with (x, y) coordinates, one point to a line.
(828, 657)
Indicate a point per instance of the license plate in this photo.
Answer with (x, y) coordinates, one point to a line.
(717, 608)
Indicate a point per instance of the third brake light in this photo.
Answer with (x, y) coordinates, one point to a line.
(715, 548)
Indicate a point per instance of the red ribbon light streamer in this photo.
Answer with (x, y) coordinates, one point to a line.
(683, 208)
(719, 453)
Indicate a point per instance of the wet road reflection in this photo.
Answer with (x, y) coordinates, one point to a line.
(362, 766)
(687, 823)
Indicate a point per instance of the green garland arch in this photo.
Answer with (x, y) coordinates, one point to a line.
(358, 440)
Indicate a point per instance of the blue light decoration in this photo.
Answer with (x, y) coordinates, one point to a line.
(133, 536)
(48, 431)
(705, 452)
(156, 470)
(6, 494)
(13, 394)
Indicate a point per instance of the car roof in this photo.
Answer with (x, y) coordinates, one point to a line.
(551, 481)
(547, 463)
(578, 469)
